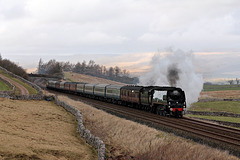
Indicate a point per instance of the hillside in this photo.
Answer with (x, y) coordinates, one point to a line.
(76, 77)
(21, 88)
(39, 130)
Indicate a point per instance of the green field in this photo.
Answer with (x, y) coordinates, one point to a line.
(4, 86)
(218, 118)
(218, 106)
(31, 90)
(207, 87)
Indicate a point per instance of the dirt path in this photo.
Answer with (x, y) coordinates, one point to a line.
(22, 89)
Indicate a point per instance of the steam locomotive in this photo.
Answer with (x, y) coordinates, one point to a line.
(166, 101)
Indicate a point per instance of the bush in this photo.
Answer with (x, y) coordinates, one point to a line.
(14, 68)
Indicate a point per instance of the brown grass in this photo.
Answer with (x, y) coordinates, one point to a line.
(75, 77)
(124, 137)
(39, 130)
(220, 94)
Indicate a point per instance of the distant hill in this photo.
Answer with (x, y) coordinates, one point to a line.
(76, 77)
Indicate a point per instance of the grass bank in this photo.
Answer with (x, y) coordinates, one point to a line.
(123, 137)
(40, 130)
(31, 90)
(4, 86)
(218, 106)
(75, 77)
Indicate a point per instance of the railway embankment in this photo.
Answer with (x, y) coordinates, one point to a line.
(124, 137)
(232, 124)
(224, 114)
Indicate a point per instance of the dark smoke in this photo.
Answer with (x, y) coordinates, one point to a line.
(173, 75)
(175, 68)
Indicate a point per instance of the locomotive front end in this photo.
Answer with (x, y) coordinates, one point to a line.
(176, 102)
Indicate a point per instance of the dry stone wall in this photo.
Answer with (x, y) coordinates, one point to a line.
(215, 99)
(94, 141)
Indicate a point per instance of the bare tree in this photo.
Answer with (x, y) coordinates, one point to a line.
(237, 80)
(111, 72)
(117, 71)
(40, 67)
(78, 68)
(230, 82)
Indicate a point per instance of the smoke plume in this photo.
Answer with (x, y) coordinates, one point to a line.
(175, 68)
(173, 75)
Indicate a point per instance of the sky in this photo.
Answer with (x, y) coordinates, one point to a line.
(126, 32)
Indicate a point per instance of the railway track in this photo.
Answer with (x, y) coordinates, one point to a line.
(218, 135)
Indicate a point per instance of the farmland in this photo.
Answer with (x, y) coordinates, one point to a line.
(211, 87)
(40, 130)
(217, 106)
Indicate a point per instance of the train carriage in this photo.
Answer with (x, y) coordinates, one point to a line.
(73, 87)
(131, 94)
(51, 84)
(61, 85)
(67, 86)
(114, 92)
(80, 88)
(89, 89)
(100, 90)
(57, 85)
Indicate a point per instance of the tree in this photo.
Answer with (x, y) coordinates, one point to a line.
(125, 73)
(77, 68)
(111, 72)
(84, 67)
(67, 66)
(237, 80)
(230, 82)
(56, 69)
(91, 64)
(14, 68)
(117, 71)
(40, 67)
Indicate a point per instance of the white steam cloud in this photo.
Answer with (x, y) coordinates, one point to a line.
(175, 68)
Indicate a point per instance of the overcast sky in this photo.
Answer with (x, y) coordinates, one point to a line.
(30, 29)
